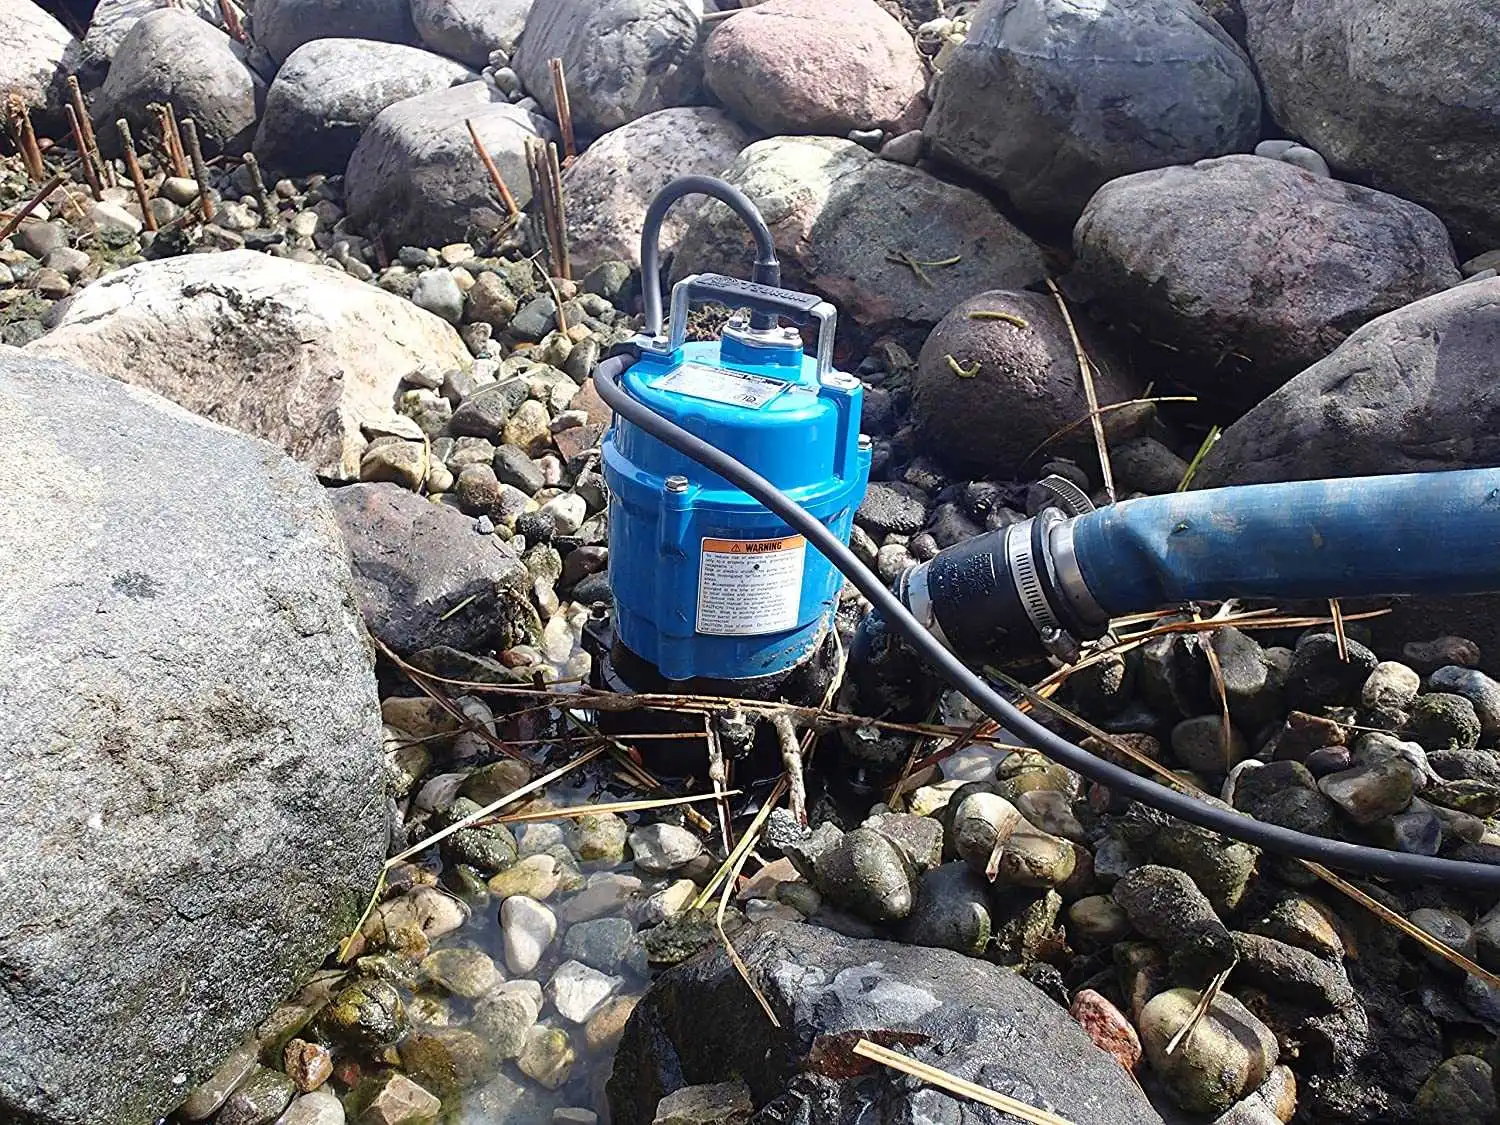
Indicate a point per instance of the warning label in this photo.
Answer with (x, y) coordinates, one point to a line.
(747, 587)
(697, 380)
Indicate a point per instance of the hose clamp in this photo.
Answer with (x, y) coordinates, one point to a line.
(1022, 565)
(1069, 575)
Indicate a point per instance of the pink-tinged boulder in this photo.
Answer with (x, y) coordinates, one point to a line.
(818, 66)
(611, 185)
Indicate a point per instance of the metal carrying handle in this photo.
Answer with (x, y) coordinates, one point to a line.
(799, 308)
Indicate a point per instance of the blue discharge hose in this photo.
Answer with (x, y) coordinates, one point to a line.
(1307, 539)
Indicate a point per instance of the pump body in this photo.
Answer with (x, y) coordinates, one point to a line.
(707, 583)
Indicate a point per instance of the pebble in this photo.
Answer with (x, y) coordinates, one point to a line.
(1033, 858)
(670, 900)
(1107, 1027)
(394, 1099)
(576, 990)
(660, 848)
(568, 512)
(1367, 794)
(205, 1101)
(528, 928)
(1461, 1091)
(1473, 685)
(868, 875)
(438, 292)
(504, 1020)
(1199, 744)
(723, 1103)
(1390, 688)
(259, 1099)
(981, 823)
(1098, 921)
(534, 876)
(40, 239)
(68, 262)
(317, 1108)
(548, 1056)
(605, 944)
(607, 1024)
(605, 893)
(1441, 721)
(1228, 1056)
(1428, 656)
(463, 972)
(365, 1016)
(308, 1065)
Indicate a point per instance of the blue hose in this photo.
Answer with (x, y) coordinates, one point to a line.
(1422, 533)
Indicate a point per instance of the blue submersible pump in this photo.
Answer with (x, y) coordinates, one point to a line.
(743, 448)
(712, 591)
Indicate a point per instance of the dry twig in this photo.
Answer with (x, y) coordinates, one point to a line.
(956, 1086)
(103, 170)
(564, 109)
(90, 174)
(1086, 370)
(508, 200)
(133, 166)
(19, 114)
(200, 169)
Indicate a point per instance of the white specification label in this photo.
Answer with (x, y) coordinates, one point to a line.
(735, 388)
(747, 587)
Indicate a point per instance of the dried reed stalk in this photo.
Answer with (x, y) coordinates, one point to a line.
(102, 168)
(90, 174)
(1086, 370)
(133, 166)
(502, 189)
(564, 109)
(956, 1086)
(200, 169)
(268, 212)
(576, 811)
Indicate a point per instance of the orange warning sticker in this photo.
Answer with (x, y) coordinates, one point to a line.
(749, 587)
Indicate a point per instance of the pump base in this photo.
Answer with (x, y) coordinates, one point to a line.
(618, 669)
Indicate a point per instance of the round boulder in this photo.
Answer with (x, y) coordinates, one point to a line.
(612, 184)
(281, 26)
(1404, 95)
(328, 91)
(623, 58)
(817, 66)
(415, 179)
(1048, 99)
(999, 376)
(173, 57)
(887, 242)
(39, 54)
(1253, 263)
(469, 30)
(1417, 390)
(113, 19)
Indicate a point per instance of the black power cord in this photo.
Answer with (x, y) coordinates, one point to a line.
(1358, 858)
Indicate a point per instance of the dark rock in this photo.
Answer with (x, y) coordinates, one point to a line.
(1164, 904)
(1355, 412)
(624, 58)
(999, 376)
(892, 507)
(1254, 257)
(326, 94)
(1428, 656)
(1088, 95)
(186, 667)
(952, 911)
(1367, 794)
(1320, 676)
(259, 1100)
(281, 26)
(424, 577)
(173, 57)
(1344, 85)
(485, 413)
(1465, 765)
(1442, 722)
(1461, 1091)
(415, 178)
(1291, 974)
(1478, 689)
(866, 873)
(974, 1020)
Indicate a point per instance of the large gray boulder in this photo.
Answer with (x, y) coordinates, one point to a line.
(39, 54)
(192, 812)
(414, 177)
(281, 26)
(999, 376)
(610, 186)
(623, 58)
(328, 91)
(301, 355)
(469, 30)
(1252, 265)
(1417, 390)
(1048, 99)
(1404, 95)
(973, 1019)
(425, 576)
(173, 57)
(824, 67)
(113, 19)
(843, 218)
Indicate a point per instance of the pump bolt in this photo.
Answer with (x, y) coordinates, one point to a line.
(676, 483)
(866, 442)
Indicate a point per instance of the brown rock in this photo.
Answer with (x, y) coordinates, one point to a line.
(309, 1065)
(1107, 1027)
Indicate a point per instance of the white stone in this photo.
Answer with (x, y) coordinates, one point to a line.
(576, 990)
(528, 928)
(568, 512)
(659, 848)
(113, 219)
